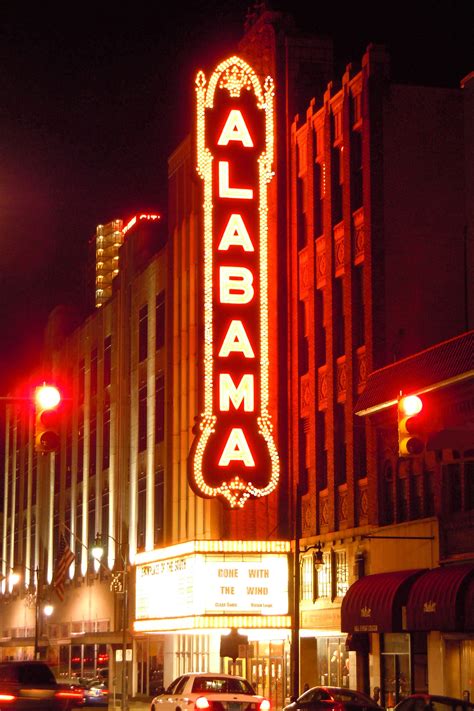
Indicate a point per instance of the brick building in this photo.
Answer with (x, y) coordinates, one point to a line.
(380, 268)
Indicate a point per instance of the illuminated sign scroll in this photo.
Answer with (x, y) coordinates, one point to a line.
(234, 454)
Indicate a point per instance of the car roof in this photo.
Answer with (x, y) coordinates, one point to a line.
(221, 675)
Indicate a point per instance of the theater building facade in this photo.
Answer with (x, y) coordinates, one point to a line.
(230, 426)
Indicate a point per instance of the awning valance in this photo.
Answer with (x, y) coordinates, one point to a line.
(374, 603)
(442, 599)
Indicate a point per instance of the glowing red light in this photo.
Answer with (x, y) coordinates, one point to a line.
(47, 397)
(202, 703)
(411, 405)
(265, 705)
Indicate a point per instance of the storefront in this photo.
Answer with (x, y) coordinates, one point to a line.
(190, 595)
(440, 606)
(418, 627)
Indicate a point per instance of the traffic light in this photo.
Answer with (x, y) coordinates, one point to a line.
(410, 435)
(47, 400)
(231, 642)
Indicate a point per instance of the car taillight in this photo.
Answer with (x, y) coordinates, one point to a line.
(202, 703)
(7, 697)
(264, 705)
(70, 694)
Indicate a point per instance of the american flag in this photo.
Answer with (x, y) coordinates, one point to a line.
(63, 561)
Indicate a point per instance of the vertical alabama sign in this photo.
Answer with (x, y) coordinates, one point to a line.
(234, 454)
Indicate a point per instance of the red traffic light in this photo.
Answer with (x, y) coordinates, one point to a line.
(47, 397)
(410, 405)
(47, 421)
(410, 440)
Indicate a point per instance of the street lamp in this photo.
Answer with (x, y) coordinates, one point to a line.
(48, 608)
(118, 585)
(13, 577)
(47, 611)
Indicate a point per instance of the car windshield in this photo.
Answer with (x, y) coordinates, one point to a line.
(348, 698)
(221, 685)
(27, 673)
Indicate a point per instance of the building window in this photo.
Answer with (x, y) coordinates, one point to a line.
(360, 448)
(107, 360)
(416, 496)
(303, 338)
(356, 108)
(356, 170)
(93, 372)
(159, 408)
(106, 437)
(105, 515)
(81, 381)
(160, 320)
(78, 546)
(301, 216)
(307, 577)
(341, 569)
(80, 448)
(93, 441)
(320, 329)
(340, 443)
(141, 512)
(142, 418)
(159, 505)
(91, 525)
(402, 498)
(386, 500)
(321, 450)
(428, 481)
(318, 199)
(68, 452)
(337, 183)
(358, 306)
(325, 577)
(143, 332)
(338, 318)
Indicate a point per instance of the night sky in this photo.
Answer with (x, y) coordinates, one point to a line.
(92, 103)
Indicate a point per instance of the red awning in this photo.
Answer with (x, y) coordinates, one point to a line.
(438, 600)
(374, 603)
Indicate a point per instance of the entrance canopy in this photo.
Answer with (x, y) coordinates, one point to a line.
(374, 603)
(442, 599)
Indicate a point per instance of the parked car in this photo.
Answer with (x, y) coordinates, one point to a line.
(203, 691)
(96, 693)
(332, 698)
(32, 685)
(102, 673)
(433, 702)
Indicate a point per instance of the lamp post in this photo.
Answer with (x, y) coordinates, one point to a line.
(13, 577)
(119, 585)
(47, 610)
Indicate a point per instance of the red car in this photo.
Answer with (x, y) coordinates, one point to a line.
(433, 702)
(32, 685)
(332, 698)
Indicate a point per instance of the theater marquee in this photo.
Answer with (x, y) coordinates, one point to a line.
(234, 454)
(209, 584)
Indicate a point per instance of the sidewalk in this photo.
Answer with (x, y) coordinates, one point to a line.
(133, 705)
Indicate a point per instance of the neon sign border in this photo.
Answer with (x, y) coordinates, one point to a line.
(235, 75)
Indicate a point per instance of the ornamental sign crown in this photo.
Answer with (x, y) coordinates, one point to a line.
(234, 455)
